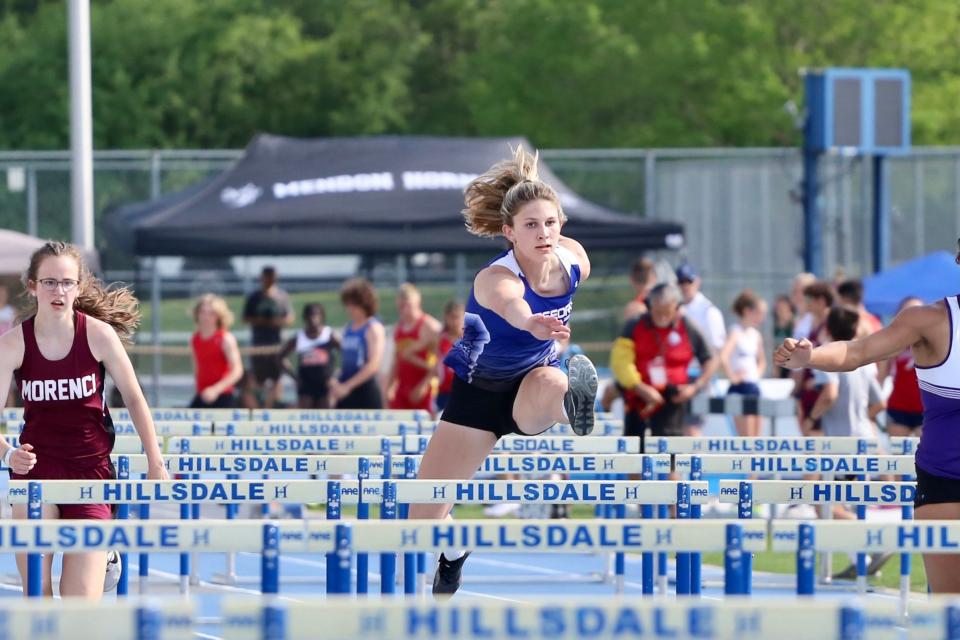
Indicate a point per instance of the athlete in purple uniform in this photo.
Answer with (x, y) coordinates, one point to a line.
(933, 333)
(507, 378)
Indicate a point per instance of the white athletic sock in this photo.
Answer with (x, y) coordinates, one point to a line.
(453, 554)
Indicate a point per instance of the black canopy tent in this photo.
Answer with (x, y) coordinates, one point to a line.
(383, 195)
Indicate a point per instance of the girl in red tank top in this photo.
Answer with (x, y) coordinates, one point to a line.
(410, 385)
(216, 356)
(59, 357)
(904, 406)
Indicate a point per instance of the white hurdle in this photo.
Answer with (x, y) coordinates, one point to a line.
(173, 619)
(798, 464)
(252, 618)
(762, 445)
(817, 492)
(402, 444)
(739, 618)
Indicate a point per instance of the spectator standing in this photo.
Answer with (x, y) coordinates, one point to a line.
(410, 384)
(850, 294)
(743, 356)
(453, 313)
(784, 315)
(849, 400)
(708, 319)
(217, 364)
(8, 318)
(651, 361)
(643, 277)
(818, 300)
(267, 311)
(905, 405)
(8, 315)
(316, 347)
(803, 324)
(362, 348)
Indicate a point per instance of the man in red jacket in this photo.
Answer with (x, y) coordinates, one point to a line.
(650, 360)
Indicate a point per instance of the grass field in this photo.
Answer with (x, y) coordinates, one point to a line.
(785, 563)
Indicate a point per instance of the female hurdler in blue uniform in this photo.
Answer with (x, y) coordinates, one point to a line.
(507, 377)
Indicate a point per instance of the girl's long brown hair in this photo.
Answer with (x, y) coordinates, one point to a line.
(493, 198)
(114, 304)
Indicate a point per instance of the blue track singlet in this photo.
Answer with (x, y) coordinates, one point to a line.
(492, 350)
(353, 349)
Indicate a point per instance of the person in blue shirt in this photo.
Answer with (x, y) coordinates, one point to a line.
(507, 375)
(361, 349)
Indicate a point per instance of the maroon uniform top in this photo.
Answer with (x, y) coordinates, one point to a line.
(64, 408)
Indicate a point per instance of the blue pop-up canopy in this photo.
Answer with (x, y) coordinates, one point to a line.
(930, 278)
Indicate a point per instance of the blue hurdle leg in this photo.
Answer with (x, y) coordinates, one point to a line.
(230, 558)
(696, 559)
(620, 558)
(343, 563)
(663, 513)
(905, 564)
(363, 513)
(388, 561)
(270, 560)
(149, 623)
(696, 512)
(265, 507)
(274, 622)
(123, 513)
(363, 559)
(646, 558)
(683, 558)
(144, 573)
(421, 571)
(806, 560)
(745, 512)
(123, 586)
(185, 513)
(34, 560)
(333, 513)
(733, 561)
(195, 558)
(409, 560)
(861, 557)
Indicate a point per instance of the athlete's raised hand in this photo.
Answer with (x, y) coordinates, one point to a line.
(547, 328)
(793, 354)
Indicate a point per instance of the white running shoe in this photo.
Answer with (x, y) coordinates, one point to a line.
(114, 569)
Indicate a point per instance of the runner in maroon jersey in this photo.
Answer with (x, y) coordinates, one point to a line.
(59, 355)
